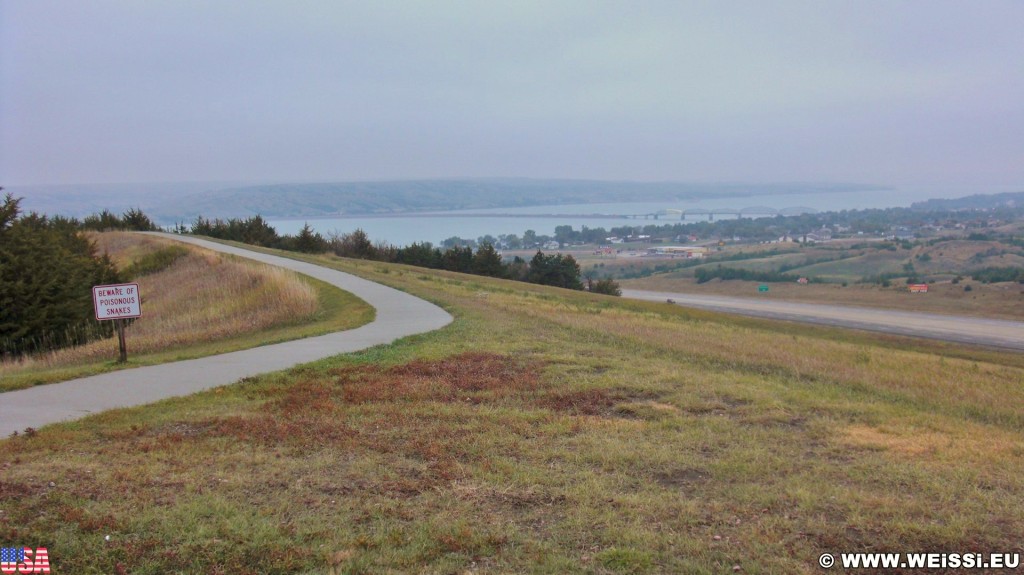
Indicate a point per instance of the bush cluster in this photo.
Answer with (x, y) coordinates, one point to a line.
(703, 275)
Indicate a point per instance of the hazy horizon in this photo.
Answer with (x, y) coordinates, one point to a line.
(918, 93)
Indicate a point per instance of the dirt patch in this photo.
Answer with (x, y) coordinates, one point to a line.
(9, 490)
(718, 405)
(734, 402)
(774, 420)
(509, 498)
(470, 377)
(181, 429)
(650, 410)
(585, 402)
(684, 478)
(88, 522)
(595, 402)
(274, 429)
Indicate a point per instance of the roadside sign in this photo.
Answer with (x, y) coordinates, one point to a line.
(118, 301)
(762, 288)
(918, 288)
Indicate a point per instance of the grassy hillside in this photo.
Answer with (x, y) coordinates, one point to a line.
(544, 431)
(195, 303)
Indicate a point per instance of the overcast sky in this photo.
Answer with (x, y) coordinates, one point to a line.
(887, 92)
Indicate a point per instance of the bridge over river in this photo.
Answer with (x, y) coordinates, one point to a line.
(749, 212)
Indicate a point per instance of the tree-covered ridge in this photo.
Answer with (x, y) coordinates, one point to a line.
(975, 202)
(47, 270)
(869, 221)
(386, 197)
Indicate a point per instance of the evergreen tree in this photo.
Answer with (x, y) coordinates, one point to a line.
(554, 270)
(47, 270)
(256, 231)
(310, 242)
(458, 259)
(354, 245)
(105, 221)
(487, 262)
(419, 254)
(135, 220)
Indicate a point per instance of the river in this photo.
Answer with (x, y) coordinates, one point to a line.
(435, 227)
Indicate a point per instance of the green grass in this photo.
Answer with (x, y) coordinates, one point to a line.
(543, 431)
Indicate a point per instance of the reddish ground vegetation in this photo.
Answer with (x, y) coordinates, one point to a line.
(472, 377)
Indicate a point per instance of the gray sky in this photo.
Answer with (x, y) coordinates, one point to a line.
(913, 92)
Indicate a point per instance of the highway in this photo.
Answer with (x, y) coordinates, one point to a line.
(961, 329)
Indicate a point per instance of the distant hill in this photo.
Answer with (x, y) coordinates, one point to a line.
(80, 200)
(385, 197)
(977, 201)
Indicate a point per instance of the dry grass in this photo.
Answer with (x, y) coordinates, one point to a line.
(543, 431)
(998, 301)
(201, 297)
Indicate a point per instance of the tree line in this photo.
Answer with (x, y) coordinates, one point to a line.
(560, 270)
(706, 274)
(868, 221)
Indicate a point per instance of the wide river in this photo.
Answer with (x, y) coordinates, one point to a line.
(409, 228)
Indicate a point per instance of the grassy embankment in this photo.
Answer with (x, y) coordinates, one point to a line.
(544, 431)
(196, 303)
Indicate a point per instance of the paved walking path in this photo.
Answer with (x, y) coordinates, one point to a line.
(974, 330)
(398, 315)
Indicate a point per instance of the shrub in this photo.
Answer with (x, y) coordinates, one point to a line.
(606, 286)
(157, 261)
(998, 274)
(703, 275)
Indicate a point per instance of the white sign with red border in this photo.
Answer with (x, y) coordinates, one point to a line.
(118, 301)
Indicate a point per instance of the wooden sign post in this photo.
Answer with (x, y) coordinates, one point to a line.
(118, 302)
(122, 345)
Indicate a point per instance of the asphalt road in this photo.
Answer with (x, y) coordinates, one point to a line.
(398, 315)
(961, 329)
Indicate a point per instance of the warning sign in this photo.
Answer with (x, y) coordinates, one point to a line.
(118, 301)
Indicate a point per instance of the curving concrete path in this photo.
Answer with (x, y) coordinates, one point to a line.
(398, 315)
(962, 329)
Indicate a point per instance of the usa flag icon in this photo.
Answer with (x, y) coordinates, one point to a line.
(12, 554)
(24, 560)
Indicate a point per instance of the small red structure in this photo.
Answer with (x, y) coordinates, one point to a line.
(918, 288)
